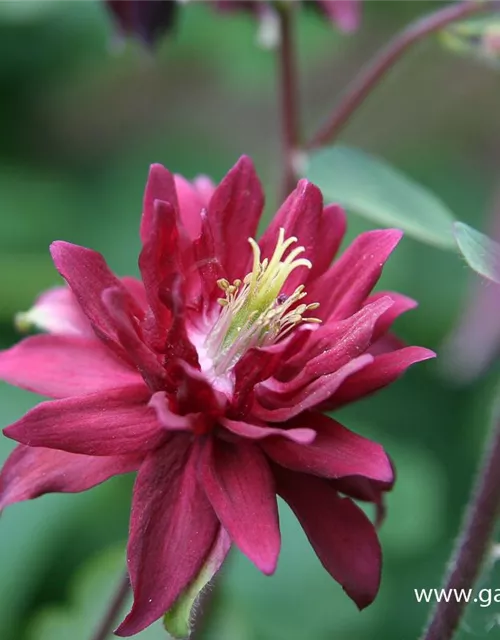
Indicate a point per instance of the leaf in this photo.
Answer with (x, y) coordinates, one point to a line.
(481, 253)
(91, 593)
(478, 38)
(368, 186)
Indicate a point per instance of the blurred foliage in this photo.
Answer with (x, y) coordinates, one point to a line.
(81, 118)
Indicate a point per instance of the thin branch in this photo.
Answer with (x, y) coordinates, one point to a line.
(369, 77)
(289, 96)
(105, 628)
(473, 544)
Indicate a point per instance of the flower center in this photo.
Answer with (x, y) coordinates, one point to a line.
(254, 311)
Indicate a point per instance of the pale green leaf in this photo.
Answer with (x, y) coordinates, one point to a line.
(481, 253)
(370, 187)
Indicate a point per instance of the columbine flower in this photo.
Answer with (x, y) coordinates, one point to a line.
(209, 378)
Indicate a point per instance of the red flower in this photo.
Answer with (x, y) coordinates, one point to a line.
(146, 20)
(209, 378)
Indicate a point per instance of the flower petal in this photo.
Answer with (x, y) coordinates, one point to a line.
(239, 484)
(257, 432)
(400, 304)
(342, 536)
(61, 366)
(113, 422)
(191, 203)
(160, 186)
(343, 288)
(56, 311)
(385, 368)
(346, 14)
(233, 215)
(172, 530)
(30, 472)
(334, 453)
(88, 275)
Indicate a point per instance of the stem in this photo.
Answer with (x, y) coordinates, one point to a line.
(289, 99)
(384, 60)
(105, 628)
(474, 541)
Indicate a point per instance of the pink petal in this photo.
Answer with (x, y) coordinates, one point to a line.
(88, 275)
(342, 536)
(233, 214)
(346, 14)
(172, 530)
(384, 369)
(239, 485)
(256, 432)
(205, 188)
(61, 366)
(336, 452)
(56, 311)
(107, 423)
(310, 396)
(33, 471)
(160, 186)
(342, 289)
(191, 204)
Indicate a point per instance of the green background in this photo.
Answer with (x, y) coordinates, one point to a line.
(80, 121)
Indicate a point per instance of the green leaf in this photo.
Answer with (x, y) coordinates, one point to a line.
(478, 38)
(481, 253)
(368, 186)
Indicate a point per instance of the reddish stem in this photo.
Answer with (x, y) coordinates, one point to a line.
(473, 544)
(376, 69)
(289, 96)
(105, 628)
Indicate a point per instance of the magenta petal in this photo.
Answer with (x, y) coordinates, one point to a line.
(191, 204)
(160, 186)
(240, 486)
(172, 530)
(384, 369)
(233, 215)
(346, 14)
(344, 287)
(88, 275)
(256, 432)
(342, 536)
(33, 471)
(61, 366)
(113, 422)
(334, 453)
(400, 304)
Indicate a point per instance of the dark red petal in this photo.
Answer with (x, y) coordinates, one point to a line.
(109, 423)
(146, 361)
(160, 186)
(342, 536)
(144, 19)
(233, 215)
(366, 490)
(88, 275)
(332, 226)
(172, 530)
(400, 304)
(32, 471)
(384, 369)
(343, 288)
(334, 453)
(310, 396)
(258, 432)
(239, 484)
(61, 366)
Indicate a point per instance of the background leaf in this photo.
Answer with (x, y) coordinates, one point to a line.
(370, 187)
(481, 253)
